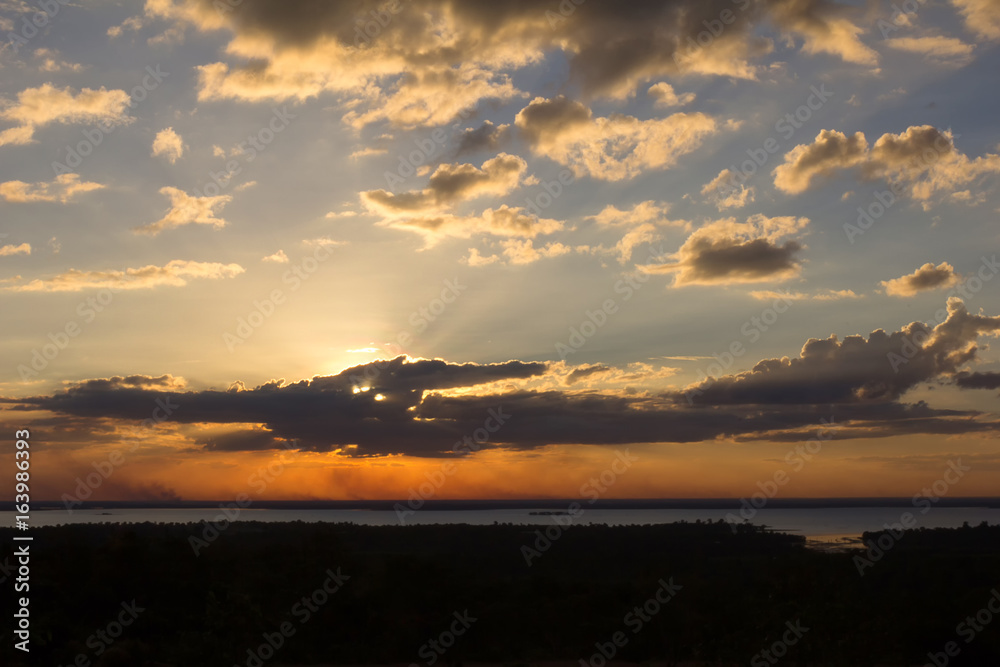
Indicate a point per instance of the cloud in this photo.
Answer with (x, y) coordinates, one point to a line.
(11, 250)
(503, 221)
(62, 189)
(825, 295)
(277, 258)
(176, 273)
(724, 191)
(643, 212)
(325, 413)
(486, 137)
(825, 27)
(831, 150)
(633, 238)
(36, 107)
(52, 62)
(614, 148)
(168, 144)
(523, 251)
(664, 96)
(948, 50)
(982, 17)
(435, 58)
(978, 380)
(927, 277)
(186, 209)
(857, 370)
(366, 152)
(923, 159)
(322, 241)
(449, 184)
(728, 252)
(427, 406)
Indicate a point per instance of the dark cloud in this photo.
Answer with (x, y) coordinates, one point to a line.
(397, 406)
(725, 252)
(298, 49)
(988, 380)
(881, 368)
(927, 277)
(486, 137)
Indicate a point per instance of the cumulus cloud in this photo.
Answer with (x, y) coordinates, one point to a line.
(62, 189)
(10, 249)
(187, 209)
(664, 95)
(641, 213)
(857, 370)
(36, 107)
(923, 160)
(825, 27)
(176, 273)
(927, 277)
(168, 144)
(52, 61)
(726, 193)
(449, 184)
(436, 59)
(426, 406)
(982, 17)
(486, 137)
(277, 258)
(503, 221)
(831, 150)
(728, 252)
(610, 148)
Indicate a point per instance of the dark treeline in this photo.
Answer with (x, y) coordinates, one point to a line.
(737, 595)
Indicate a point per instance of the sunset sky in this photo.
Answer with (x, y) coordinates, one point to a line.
(338, 235)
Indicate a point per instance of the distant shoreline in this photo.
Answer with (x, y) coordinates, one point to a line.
(539, 504)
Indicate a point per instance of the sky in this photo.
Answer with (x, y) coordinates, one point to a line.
(366, 250)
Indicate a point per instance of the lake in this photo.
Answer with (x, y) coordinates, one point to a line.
(823, 525)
